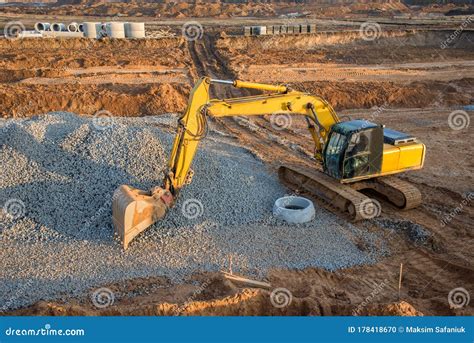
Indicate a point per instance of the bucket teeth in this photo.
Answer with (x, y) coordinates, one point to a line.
(134, 210)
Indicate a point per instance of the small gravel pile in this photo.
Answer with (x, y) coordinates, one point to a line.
(59, 172)
(414, 232)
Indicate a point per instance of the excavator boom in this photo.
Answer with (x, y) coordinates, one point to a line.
(134, 210)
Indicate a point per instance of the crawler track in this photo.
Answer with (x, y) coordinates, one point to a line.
(341, 198)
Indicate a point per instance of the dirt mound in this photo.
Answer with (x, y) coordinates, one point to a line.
(219, 297)
(401, 308)
(344, 47)
(248, 302)
(344, 95)
(125, 77)
(225, 9)
(149, 9)
(84, 53)
(120, 100)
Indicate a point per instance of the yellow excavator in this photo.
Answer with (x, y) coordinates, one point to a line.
(355, 155)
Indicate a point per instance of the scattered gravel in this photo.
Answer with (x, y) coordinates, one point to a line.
(59, 172)
(414, 232)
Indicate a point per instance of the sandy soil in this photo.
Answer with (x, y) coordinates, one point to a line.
(400, 73)
(390, 79)
(218, 9)
(78, 75)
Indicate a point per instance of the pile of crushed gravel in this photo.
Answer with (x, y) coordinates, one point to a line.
(59, 172)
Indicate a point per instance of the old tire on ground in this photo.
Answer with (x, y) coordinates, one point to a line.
(294, 209)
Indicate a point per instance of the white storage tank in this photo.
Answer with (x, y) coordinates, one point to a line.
(135, 30)
(115, 30)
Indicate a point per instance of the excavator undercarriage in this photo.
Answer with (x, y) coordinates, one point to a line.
(347, 198)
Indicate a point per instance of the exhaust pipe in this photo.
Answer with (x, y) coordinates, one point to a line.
(81, 27)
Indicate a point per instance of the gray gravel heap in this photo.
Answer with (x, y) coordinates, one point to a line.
(60, 171)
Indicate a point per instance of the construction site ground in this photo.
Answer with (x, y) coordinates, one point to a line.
(403, 79)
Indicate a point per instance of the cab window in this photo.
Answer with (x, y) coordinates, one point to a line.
(336, 144)
(356, 162)
(335, 154)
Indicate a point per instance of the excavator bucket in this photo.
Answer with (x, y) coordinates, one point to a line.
(134, 210)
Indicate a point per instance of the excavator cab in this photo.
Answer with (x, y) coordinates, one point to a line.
(354, 150)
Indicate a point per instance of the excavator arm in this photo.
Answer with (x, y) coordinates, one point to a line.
(134, 210)
(283, 101)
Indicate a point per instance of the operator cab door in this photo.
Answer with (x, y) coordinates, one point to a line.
(355, 154)
(334, 155)
(363, 156)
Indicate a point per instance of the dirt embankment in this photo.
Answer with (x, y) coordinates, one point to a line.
(353, 73)
(346, 95)
(216, 296)
(358, 291)
(82, 53)
(217, 9)
(124, 77)
(347, 47)
(149, 9)
(120, 100)
(154, 76)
